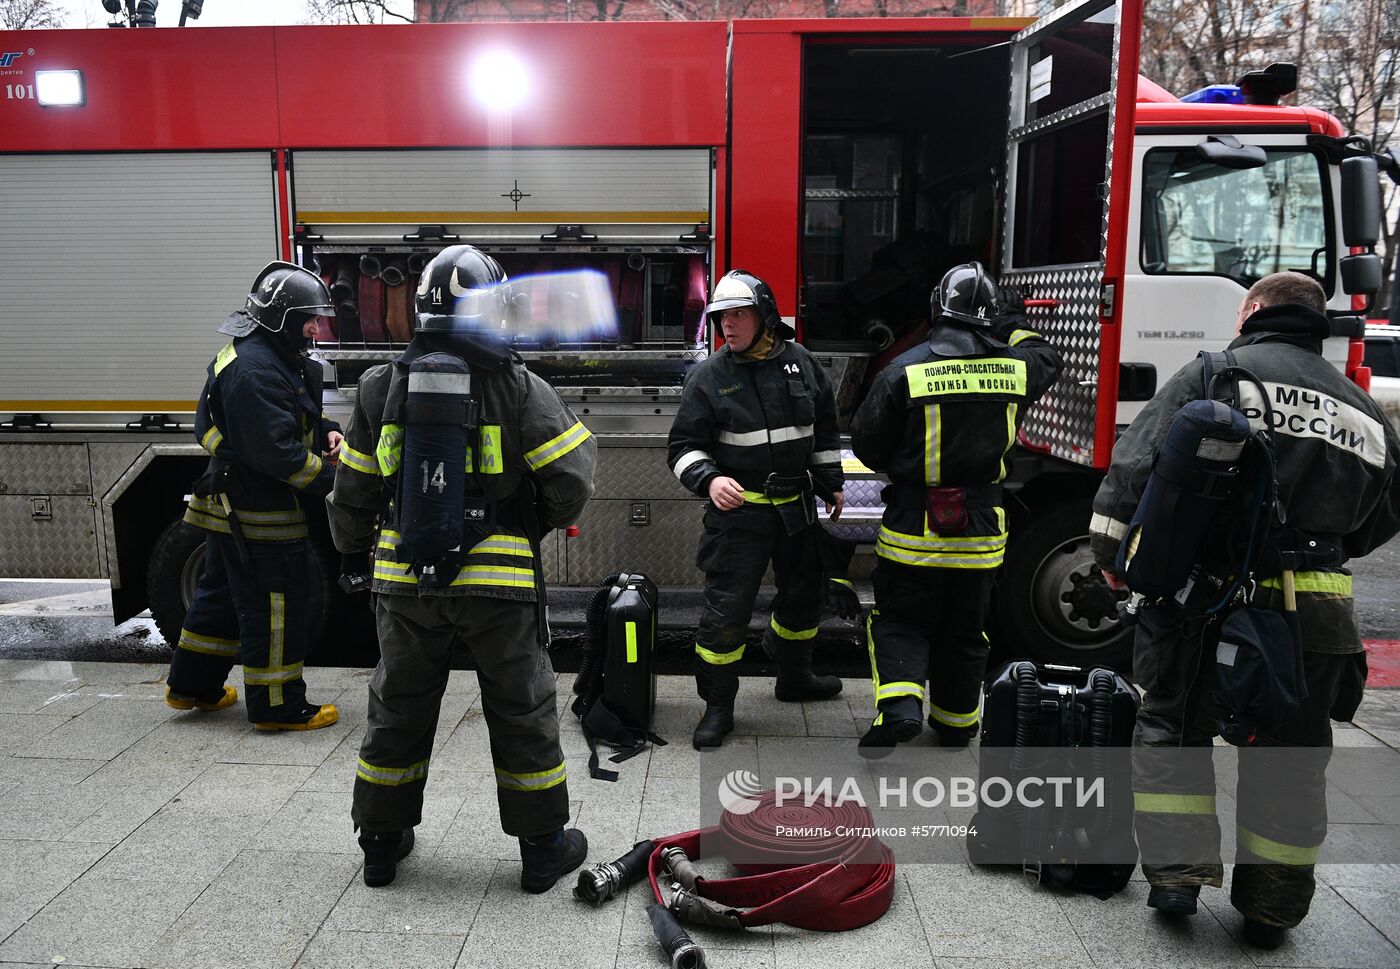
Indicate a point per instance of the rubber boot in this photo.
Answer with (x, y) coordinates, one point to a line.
(717, 686)
(310, 717)
(880, 740)
(1174, 899)
(544, 860)
(181, 702)
(383, 852)
(1262, 935)
(955, 738)
(796, 681)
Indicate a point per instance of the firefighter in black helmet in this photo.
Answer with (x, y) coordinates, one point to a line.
(460, 460)
(756, 434)
(259, 418)
(941, 420)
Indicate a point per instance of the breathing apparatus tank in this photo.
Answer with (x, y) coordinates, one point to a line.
(439, 417)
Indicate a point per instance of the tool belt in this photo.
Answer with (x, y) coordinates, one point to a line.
(816, 881)
(945, 507)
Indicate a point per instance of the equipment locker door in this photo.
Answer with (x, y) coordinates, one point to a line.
(1073, 88)
(115, 269)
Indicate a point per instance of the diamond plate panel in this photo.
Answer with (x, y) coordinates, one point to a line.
(109, 462)
(62, 547)
(663, 550)
(44, 469)
(636, 473)
(1065, 418)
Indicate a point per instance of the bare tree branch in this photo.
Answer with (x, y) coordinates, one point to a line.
(31, 14)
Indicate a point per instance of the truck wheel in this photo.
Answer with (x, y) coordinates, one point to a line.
(173, 575)
(1052, 604)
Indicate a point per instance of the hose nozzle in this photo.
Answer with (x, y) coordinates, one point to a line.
(601, 882)
(680, 948)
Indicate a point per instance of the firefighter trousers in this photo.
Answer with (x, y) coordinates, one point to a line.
(416, 642)
(927, 626)
(255, 612)
(735, 561)
(1281, 800)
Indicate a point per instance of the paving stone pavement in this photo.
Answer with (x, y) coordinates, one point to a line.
(136, 836)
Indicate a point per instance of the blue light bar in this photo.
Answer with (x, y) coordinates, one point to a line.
(1216, 94)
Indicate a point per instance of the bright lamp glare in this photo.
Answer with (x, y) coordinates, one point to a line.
(59, 89)
(500, 81)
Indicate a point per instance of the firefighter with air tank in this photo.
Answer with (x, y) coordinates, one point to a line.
(756, 434)
(941, 421)
(456, 463)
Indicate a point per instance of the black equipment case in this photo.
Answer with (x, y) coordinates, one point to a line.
(1058, 721)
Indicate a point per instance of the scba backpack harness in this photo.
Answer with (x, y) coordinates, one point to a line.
(1209, 515)
(615, 690)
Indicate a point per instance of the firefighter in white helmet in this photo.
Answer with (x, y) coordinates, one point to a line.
(756, 434)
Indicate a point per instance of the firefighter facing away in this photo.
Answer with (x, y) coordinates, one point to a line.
(756, 434)
(1335, 463)
(941, 421)
(461, 460)
(259, 418)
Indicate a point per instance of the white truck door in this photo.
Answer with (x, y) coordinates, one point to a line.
(1062, 241)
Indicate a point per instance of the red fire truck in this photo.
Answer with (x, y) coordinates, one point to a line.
(145, 175)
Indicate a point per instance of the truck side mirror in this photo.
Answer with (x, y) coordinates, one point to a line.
(1228, 152)
(1361, 203)
(1361, 274)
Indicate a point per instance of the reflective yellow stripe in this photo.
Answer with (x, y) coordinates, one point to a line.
(538, 781)
(391, 776)
(631, 629)
(719, 659)
(358, 460)
(870, 648)
(930, 445)
(887, 691)
(309, 469)
(212, 439)
(492, 457)
(942, 560)
(207, 522)
(1149, 803)
(556, 447)
(846, 582)
(1011, 410)
(954, 719)
(503, 545)
(1276, 851)
(213, 645)
(1326, 583)
(276, 645)
(786, 633)
(500, 575)
(389, 451)
(226, 356)
(756, 498)
(937, 445)
(1018, 335)
(271, 675)
(930, 542)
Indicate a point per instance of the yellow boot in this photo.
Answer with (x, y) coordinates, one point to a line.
(181, 702)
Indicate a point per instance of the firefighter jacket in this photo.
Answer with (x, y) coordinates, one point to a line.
(944, 415)
(1335, 451)
(531, 445)
(259, 418)
(747, 419)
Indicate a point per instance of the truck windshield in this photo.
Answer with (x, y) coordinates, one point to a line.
(1201, 218)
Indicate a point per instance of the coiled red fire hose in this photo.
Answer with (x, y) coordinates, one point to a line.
(814, 867)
